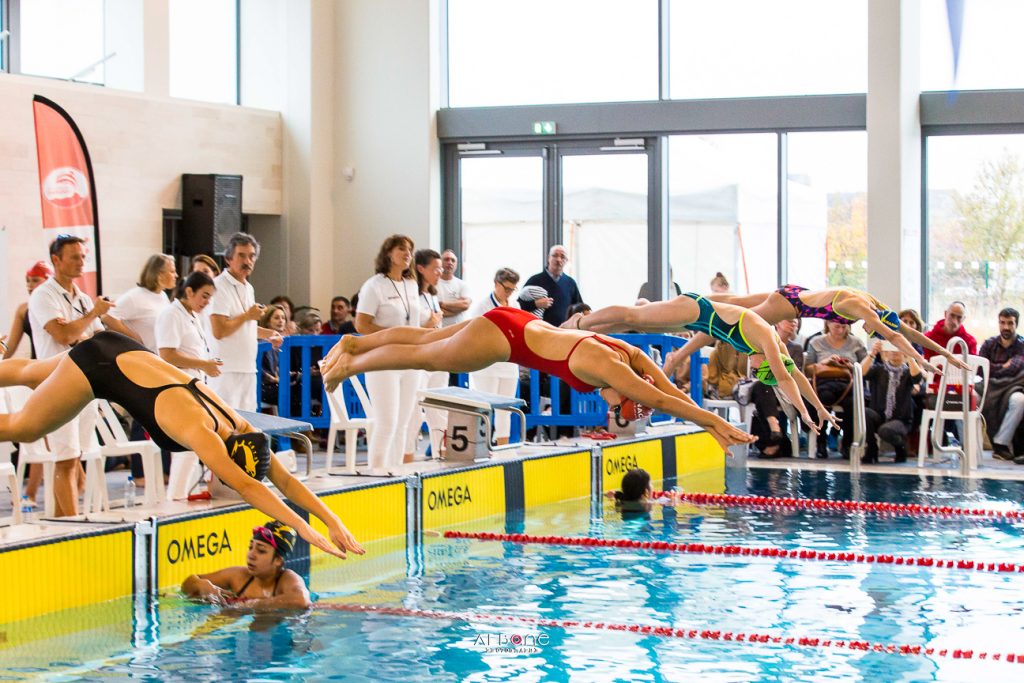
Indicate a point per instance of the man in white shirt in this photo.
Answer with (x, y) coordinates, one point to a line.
(452, 292)
(233, 316)
(61, 316)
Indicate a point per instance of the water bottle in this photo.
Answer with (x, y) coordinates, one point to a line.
(129, 493)
(27, 510)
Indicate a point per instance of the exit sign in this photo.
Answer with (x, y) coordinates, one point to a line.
(544, 127)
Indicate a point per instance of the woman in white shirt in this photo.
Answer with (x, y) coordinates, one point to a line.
(139, 307)
(499, 378)
(388, 299)
(181, 338)
(428, 273)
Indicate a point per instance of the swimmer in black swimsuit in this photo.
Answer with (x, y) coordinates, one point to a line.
(180, 414)
(263, 582)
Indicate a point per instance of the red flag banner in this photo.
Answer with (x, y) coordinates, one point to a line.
(67, 190)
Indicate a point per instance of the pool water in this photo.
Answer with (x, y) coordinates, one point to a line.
(172, 639)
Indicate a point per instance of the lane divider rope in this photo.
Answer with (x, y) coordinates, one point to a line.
(682, 633)
(769, 551)
(907, 509)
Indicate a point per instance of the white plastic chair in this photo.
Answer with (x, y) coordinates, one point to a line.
(35, 452)
(114, 443)
(341, 422)
(974, 423)
(185, 472)
(8, 476)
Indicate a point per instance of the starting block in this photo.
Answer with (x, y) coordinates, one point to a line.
(469, 433)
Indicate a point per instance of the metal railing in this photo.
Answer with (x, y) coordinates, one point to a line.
(857, 445)
(965, 449)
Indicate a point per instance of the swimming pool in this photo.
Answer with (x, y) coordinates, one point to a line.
(779, 597)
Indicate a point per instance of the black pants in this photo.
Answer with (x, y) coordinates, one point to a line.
(831, 391)
(766, 405)
(893, 432)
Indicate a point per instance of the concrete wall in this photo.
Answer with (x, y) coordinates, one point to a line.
(140, 146)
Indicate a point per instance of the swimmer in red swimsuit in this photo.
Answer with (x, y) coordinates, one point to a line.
(585, 360)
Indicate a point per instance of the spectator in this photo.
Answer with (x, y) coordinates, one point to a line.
(828, 361)
(60, 316)
(789, 331)
(581, 308)
(428, 274)
(679, 371)
(205, 264)
(647, 292)
(561, 288)
(233, 316)
(769, 421)
(274, 318)
(719, 285)
(308, 320)
(181, 339)
(22, 328)
(500, 378)
(20, 325)
(340, 321)
(890, 409)
(288, 305)
(1005, 354)
(139, 307)
(452, 292)
(388, 299)
(911, 318)
(951, 326)
(725, 368)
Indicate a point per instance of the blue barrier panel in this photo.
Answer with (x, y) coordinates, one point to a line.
(580, 410)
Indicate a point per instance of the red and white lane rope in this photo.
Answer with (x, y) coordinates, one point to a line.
(770, 551)
(905, 509)
(682, 633)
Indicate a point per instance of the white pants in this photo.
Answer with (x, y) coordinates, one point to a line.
(34, 451)
(491, 383)
(1012, 418)
(237, 389)
(437, 420)
(393, 397)
(77, 436)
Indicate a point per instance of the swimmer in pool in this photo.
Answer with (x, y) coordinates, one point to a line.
(179, 412)
(263, 582)
(626, 377)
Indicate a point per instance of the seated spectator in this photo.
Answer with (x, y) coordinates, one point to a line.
(828, 363)
(581, 308)
(307, 320)
(951, 326)
(263, 582)
(289, 311)
(340, 321)
(1005, 354)
(769, 423)
(273, 318)
(911, 318)
(889, 409)
(725, 368)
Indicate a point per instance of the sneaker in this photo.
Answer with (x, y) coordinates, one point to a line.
(1001, 452)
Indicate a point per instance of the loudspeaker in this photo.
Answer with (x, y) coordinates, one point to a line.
(211, 211)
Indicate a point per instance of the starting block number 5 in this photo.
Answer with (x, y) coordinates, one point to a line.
(466, 437)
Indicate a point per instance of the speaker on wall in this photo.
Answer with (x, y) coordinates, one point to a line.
(211, 211)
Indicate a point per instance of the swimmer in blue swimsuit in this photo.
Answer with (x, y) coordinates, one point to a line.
(179, 412)
(742, 329)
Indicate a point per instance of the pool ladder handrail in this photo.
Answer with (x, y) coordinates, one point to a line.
(859, 420)
(964, 449)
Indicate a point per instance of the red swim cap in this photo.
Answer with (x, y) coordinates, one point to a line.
(631, 410)
(39, 269)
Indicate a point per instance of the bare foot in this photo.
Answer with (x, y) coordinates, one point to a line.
(338, 372)
(349, 344)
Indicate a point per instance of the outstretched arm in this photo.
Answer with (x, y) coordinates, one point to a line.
(699, 341)
(873, 324)
(790, 388)
(917, 338)
(295, 491)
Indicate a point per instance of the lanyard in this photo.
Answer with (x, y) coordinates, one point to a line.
(404, 299)
(74, 309)
(430, 302)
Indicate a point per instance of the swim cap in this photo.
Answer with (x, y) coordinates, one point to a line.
(764, 373)
(890, 319)
(251, 452)
(278, 535)
(631, 410)
(39, 269)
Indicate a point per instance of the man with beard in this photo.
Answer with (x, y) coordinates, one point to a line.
(1005, 354)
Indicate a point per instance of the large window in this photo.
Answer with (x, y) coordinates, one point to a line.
(723, 211)
(753, 48)
(991, 50)
(62, 39)
(827, 209)
(502, 219)
(204, 50)
(975, 226)
(551, 51)
(604, 224)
